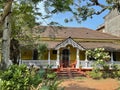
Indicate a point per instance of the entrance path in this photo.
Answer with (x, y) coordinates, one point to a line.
(90, 84)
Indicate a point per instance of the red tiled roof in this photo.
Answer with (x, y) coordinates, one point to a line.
(75, 33)
(51, 44)
(89, 45)
(78, 33)
(107, 46)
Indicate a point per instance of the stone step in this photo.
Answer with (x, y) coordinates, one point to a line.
(70, 73)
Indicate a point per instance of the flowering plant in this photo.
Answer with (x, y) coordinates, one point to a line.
(98, 54)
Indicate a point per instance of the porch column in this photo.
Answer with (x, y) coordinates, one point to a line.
(86, 60)
(49, 57)
(20, 60)
(112, 57)
(77, 57)
(58, 58)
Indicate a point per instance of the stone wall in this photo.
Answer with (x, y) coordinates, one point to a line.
(112, 23)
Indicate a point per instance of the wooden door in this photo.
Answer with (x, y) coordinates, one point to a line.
(65, 58)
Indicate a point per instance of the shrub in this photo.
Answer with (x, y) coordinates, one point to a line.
(1, 84)
(21, 78)
(118, 74)
(48, 79)
(38, 77)
(95, 73)
(15, 78)
(106, 71)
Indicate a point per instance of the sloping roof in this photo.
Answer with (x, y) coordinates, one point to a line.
(75, 33)
(51, 44)
(107, 46)
(88, 45)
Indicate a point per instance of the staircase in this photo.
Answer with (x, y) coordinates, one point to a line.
(69, 73)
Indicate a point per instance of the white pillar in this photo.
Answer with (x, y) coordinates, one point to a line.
(20, 59)
(77, 58)
(86, 61)
(49, 57)
(58, 58)
(112, 57)
(86, 57)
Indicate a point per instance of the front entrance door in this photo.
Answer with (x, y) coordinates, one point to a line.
(65, 57)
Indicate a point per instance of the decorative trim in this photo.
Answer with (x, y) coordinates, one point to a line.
(69, 41)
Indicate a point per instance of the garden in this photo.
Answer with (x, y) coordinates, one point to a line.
(102, 76)
(21, 78)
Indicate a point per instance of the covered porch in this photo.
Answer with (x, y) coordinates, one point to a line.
(71, 54)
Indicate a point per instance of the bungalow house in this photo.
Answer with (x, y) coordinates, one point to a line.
(66, 47)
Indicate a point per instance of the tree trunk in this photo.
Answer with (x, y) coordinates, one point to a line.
(6, 44)
(5, 62)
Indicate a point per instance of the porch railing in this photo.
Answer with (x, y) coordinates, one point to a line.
(89, 64)
(86, 64)
(43, 63)
(82, 63)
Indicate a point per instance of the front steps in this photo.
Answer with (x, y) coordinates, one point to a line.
(69, 73)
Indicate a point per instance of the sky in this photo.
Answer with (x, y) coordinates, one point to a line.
(93, 23)
(89, 23)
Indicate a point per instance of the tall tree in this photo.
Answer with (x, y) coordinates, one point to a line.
(24, 13)
(6, 17)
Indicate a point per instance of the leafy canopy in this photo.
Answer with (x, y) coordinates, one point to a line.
(25, 13)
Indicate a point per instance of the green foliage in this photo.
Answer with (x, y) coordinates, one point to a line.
(80, 10)
(50, 85)
(22, 20)
(95, 73)
(25, 13)
(37, 77)
(1, 84)
(50, 73)
(48, 79)
(98, 54)
(15, 78)
(21, 78)
(51, 79)
(115, 73)
(42, 48)
(36, 80)
(106, 71)
(100, 57)
(118, 74)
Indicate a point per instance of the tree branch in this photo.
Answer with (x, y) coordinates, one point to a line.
(95, 2)
(6, 11)
(99, 12)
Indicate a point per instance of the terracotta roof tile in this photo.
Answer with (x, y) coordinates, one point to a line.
(83, 33)
(51, 44)
(89, 45)
(75, 33)
(107, 46)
